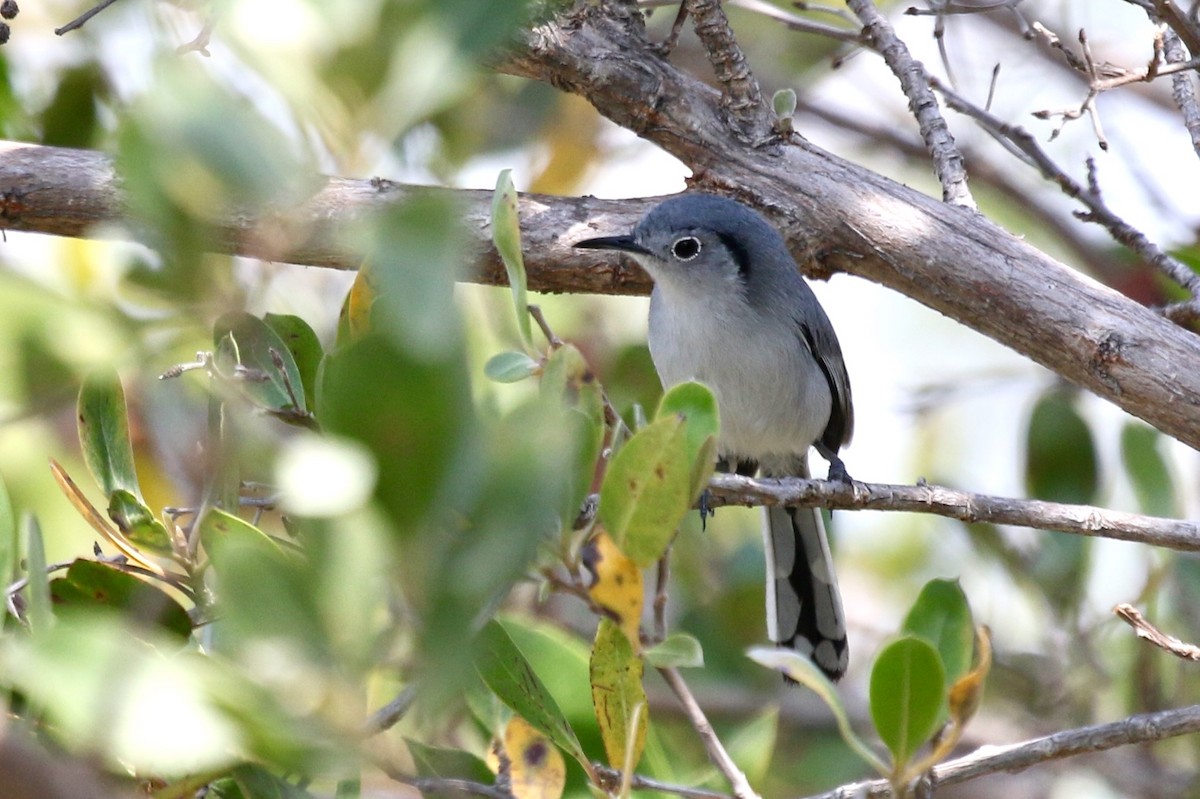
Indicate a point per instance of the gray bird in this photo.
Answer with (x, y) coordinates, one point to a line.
(730, 309)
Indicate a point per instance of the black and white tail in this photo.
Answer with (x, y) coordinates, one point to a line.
(804, 608)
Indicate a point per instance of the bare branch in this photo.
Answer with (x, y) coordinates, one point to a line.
(613, 777)
(82, 19)
(1145, 630)
(732, 489)
(1183, 86)
(712, 744)
(1141, 728)
(1098, 211)
(914, 80)
(798, 23)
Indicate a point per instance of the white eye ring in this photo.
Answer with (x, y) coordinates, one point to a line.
(686, 248)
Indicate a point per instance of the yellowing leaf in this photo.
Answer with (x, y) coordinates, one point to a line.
(99, 523)
(354, 321)
(616, 585)
(619, 698)
(536, 767)
(967, 691)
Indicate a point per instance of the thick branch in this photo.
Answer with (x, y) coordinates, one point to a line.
(732, 489)
(839, 216)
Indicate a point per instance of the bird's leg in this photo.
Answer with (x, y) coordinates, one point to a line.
(746, 468)
(837, 469)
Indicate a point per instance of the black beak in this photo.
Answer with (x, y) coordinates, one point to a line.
(622, 243)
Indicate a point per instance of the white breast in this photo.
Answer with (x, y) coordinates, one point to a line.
(772, 396)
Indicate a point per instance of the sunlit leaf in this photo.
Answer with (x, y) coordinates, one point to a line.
(646, 491)
(507, 672)
(616, 585)
(100, 524)
(354, 321)
(908, 687)
(104, 433)
(506, 235)
(137, 523)
(697, 405)
(617, 693)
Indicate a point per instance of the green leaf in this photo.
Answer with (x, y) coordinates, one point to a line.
(647, 490)
(137, 523)
(942, 616)
(218, 528)
(753, 743)
(439, 762)
(696, 403)
(908, 687)
(302, 342)
(104, 433)
(509, 367)
(9, 540)
(273, 380)
(561, 659)
(89, 584)
(802, 670)
(506, 235)
(507, 672)
(413, 414)
(1148, 470)
(37, 590)
(677, 650)
(1061, 463)
(617, 693)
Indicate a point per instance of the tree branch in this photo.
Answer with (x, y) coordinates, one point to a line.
(914, 80)
(732, 489)
(1145, 630)
(1068, 743)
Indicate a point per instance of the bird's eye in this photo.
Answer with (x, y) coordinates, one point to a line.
(686, 249)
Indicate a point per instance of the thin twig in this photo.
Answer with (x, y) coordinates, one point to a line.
(798, 23)
(712, 744)
(387, 716)
(1098, 211)
(915, 81)
(82, 19)
(1183, 85)
(731, 489)
(986, 760)
(614, 777)
(1145, 630)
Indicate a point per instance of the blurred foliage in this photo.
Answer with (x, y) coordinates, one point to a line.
(314, 519)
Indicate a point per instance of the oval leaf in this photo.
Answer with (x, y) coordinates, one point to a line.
(616, 585)
(942, 617)
(617, 693)
(509, 675)
(509, 367)
(907, 690)
(1061, 461)
(536, 767)
(137, 523)
(677, 650)
(1148, 470)
(302, 342)
(647, 490)
(697, 405)
(506, 235)
(104, 433)
(268, 376)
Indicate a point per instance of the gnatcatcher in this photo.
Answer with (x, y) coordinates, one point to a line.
(730, 309)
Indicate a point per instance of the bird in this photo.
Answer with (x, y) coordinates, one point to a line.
(730, 309)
